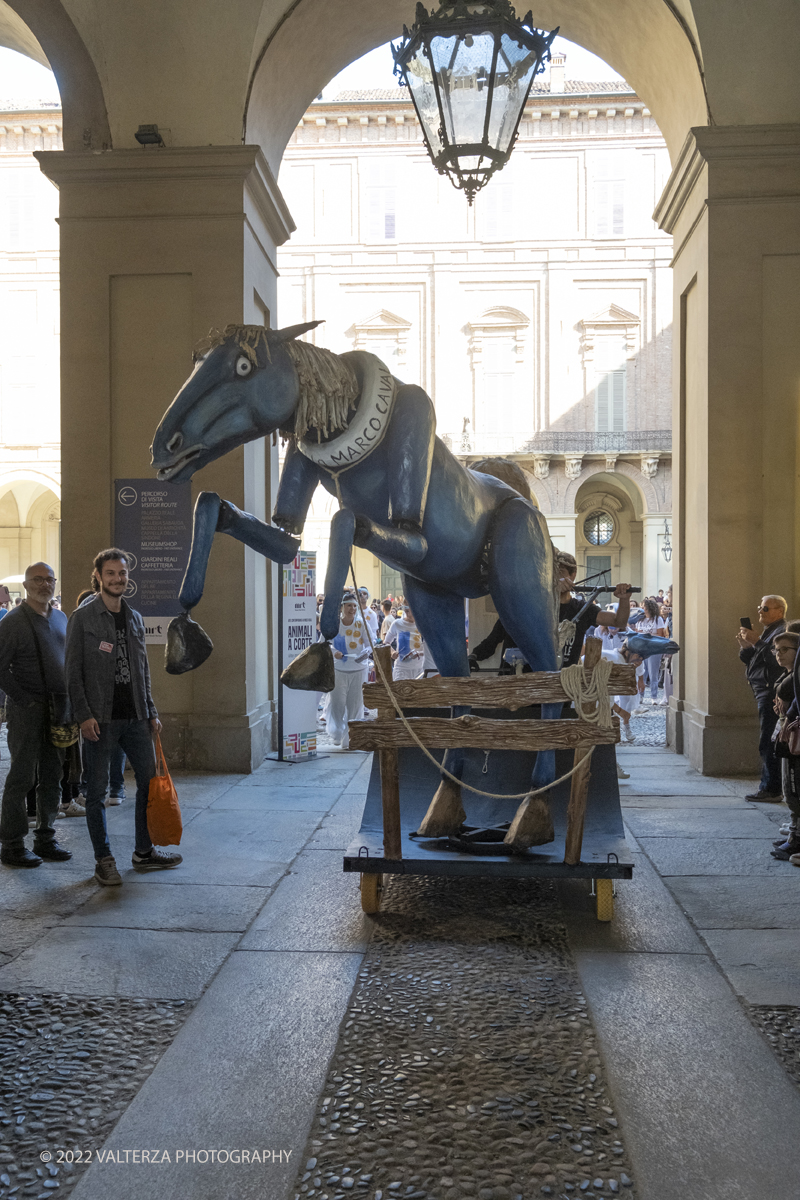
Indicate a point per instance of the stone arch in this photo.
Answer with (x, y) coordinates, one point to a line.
(30, 519)
(645, 487)
(44, 30)
(647, 41)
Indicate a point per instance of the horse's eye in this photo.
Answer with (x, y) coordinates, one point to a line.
(243, 366)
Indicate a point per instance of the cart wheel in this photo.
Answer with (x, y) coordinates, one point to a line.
(604, 889)
(371, 890)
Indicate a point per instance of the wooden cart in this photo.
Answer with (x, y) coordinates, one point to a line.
(501, 736)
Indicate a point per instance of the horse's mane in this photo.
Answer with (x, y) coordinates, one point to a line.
(328, 389)
(328, 385)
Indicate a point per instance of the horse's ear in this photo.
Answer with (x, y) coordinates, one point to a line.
(294, 331)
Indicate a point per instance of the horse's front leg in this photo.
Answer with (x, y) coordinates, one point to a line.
(313, 669)
(187, 644)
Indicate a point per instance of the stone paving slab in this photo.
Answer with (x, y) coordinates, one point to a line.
(659, 783)
(244, 847)
(315, 907)
(325, 773)
(697, 1088)
(703, 823)
(119, 962)
(270, 796)
(164, 901)
(713, 856)
(645, 916)
(762, 965)
(244, 1072)
(729, 902)
(725, 803)
(337, 831)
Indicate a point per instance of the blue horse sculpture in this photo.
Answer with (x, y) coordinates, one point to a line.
(370, 440)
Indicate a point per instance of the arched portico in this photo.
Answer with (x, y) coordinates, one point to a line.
(157, 245)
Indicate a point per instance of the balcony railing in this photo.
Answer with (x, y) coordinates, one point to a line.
(552, 441)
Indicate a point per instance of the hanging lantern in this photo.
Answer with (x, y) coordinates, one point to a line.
(469, 67)
(666, 546)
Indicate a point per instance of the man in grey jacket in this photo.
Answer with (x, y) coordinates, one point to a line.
(108, 677)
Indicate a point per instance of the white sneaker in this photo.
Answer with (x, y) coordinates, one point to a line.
(73, 809)
(627, 734)
(622, 774)
(112, 801)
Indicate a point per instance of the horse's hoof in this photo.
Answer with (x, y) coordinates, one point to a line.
(446, 815)
(311, 671)
(532, 825)
(188, 646)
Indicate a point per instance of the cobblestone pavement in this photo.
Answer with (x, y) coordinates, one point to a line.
(650, 729)
(781, 1027)
(467, 1065)
(70, 1068)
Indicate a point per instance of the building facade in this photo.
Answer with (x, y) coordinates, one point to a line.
(30, 452)
(538, 320)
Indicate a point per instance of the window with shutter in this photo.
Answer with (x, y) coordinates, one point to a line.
(610, 385)
(380, 197)
(498, 211)
(608, 196)
(497, 411)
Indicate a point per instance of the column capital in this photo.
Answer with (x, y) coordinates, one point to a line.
(89, 176)
(725, 156)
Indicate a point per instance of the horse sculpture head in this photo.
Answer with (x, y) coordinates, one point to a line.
(247, 383)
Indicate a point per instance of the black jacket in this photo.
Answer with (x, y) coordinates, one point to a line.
(489, 644)
(763, 671)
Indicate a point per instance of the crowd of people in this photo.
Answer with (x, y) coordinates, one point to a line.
(77, 702)
(91, 672)
(391, 623)
(772, 666)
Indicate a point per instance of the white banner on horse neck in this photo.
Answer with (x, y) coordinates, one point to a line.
(368, 426)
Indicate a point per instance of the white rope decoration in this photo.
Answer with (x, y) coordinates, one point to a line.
(589, 690)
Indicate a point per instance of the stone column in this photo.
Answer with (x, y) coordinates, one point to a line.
(732, 205)
(562, 530)
(158, 246)
(656, 572)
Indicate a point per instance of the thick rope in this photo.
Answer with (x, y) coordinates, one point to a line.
(582, 763)
(592, 691)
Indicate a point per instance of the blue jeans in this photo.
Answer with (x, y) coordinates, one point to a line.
(34, 760)
(135, 739)
(652, 666)
(770, 763)
(116, 781)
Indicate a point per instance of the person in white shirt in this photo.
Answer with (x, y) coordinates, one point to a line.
(408, 653)
(367, 614)
(350, 650)
(623, 706)
(653, 623)
(388, 619)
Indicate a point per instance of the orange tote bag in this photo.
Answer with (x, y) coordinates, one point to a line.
(163, 811)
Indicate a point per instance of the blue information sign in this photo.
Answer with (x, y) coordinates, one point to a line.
(153, 525)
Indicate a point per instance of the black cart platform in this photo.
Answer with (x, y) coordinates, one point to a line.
(604, 854)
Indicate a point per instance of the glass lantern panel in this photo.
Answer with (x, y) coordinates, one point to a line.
(420, 81)
(463, 65)
(515, 67)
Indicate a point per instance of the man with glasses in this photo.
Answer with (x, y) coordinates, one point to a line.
(763, 672)
(32, 643)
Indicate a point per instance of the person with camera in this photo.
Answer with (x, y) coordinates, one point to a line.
(32, 642)
(763, 672)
